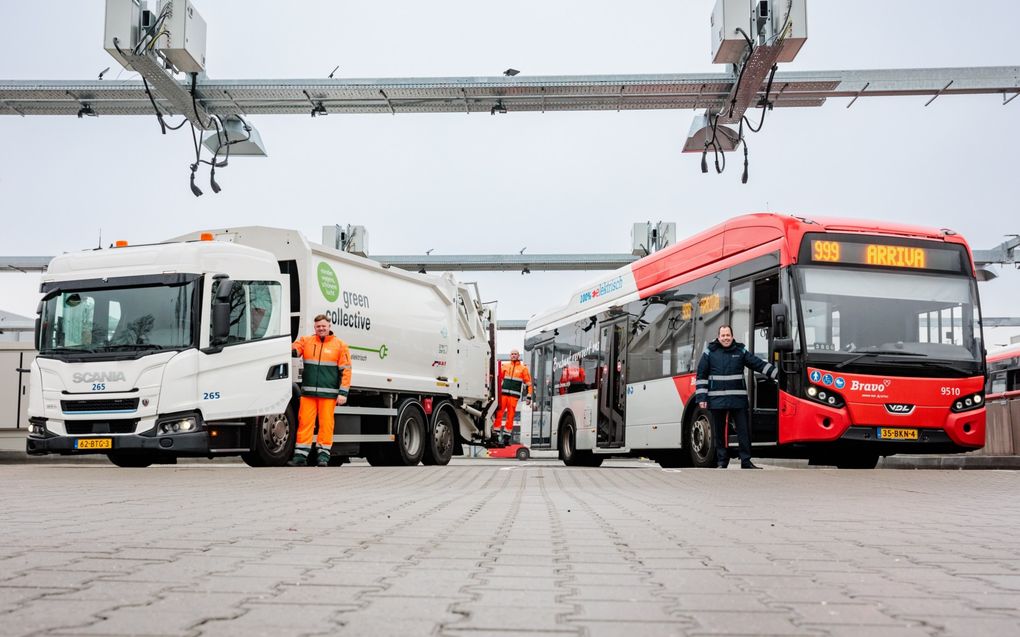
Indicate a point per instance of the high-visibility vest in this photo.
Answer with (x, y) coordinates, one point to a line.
(515, 379)
(327, 370)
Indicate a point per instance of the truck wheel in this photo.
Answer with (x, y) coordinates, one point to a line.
(523, 453)
(273, 437)
(699, 441)
(409, 445)
(439, 446)
(131, 460)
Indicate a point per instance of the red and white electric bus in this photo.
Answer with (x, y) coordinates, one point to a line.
(1004, 373)
(875, 327)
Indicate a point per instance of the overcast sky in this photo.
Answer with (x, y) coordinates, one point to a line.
(554, 182)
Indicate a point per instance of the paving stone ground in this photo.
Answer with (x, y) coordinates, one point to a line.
(484, 547)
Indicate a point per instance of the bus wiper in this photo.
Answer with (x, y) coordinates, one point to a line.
(877, 352)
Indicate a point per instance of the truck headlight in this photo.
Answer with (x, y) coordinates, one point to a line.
(183, 424)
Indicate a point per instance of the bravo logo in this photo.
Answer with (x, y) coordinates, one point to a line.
(98, 377)
(856, 385)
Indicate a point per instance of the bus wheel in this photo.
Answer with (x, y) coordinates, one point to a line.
(700, 445)
(523, 453)
(439, 446)
(131, 460)
(568, 444)
(410, 436)
(272, 442)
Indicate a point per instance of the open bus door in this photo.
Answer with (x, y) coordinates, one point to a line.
(751, 319)
(612, 384)
(541, 410)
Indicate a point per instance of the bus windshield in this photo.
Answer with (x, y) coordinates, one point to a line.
(859, 313)
(117, 319)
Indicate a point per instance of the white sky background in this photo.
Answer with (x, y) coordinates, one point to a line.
(555, 182)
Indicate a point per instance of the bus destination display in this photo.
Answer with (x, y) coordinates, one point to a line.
(884, 255)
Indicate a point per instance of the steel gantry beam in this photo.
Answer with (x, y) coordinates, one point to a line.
(494, 94)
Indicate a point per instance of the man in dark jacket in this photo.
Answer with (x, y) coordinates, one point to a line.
(721, 390)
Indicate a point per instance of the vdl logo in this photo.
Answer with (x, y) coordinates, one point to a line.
(899, 408)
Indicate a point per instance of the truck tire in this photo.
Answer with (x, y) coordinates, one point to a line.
(699, 441)
(440, 440)
(131, 460)
(409, 438)
(272, 440)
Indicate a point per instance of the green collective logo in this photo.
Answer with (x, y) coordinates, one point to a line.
(328, 283)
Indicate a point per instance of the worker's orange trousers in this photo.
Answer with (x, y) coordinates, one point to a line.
(311, 408)
(507, 405)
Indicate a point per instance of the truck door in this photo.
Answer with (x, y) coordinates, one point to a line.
(612, 384)
(541, 410)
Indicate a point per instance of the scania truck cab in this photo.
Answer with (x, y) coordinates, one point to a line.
(153, 352)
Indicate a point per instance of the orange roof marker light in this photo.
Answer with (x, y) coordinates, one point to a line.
(205, 236)
(120, 243)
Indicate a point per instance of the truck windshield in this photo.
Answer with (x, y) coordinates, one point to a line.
(118, 318)
(866, 314)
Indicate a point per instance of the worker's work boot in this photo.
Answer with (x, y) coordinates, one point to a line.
(299, 459)
(507, 439)
(323, 458)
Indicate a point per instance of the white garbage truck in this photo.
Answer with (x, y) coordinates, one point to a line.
(149, 353)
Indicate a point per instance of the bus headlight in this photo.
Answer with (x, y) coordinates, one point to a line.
(967, 403)
(825, 396)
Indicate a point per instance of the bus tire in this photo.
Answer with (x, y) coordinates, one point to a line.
(440, 440)
(131, 460)
(569, 453)
(699, 441)
(408, 445)
(568, 443)
(523, 454)
(272, 440)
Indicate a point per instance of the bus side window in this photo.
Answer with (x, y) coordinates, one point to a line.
(997, 383)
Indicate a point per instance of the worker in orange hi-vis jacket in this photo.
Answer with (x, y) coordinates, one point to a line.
(325, 383)
(514, 384)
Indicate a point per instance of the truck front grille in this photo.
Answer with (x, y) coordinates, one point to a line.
(101, 405)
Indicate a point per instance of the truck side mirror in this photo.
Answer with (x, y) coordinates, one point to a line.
(38, 326)
(221, 312)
